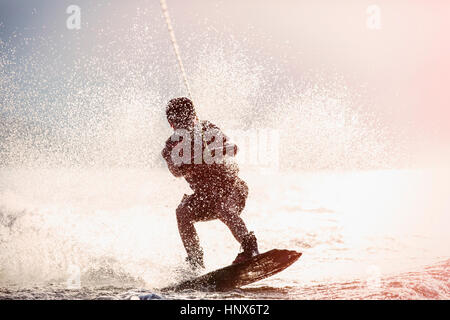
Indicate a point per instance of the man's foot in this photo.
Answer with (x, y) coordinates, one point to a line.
(196, 263)
(249, 247)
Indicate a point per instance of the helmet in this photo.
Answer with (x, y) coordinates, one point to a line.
(180, 112)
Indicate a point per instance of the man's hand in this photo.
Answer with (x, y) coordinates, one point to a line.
(166, 153)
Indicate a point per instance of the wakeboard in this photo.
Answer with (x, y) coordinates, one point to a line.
(238, 275)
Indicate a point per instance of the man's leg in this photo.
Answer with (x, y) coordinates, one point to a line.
(235, 223)
(230, 216)
(188, 234)
(231, 209)
(247, 239)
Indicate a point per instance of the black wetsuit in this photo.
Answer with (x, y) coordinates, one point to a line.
(217, 188)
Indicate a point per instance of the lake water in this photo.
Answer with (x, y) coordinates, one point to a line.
(112, 234)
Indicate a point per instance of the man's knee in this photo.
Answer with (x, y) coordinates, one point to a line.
(181, 213)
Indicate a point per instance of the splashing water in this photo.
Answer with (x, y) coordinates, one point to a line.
(102, 103)
(83, 187)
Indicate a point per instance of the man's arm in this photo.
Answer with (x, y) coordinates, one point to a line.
(166, 154)
(227, 148)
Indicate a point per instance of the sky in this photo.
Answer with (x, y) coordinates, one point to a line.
(399, 70)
